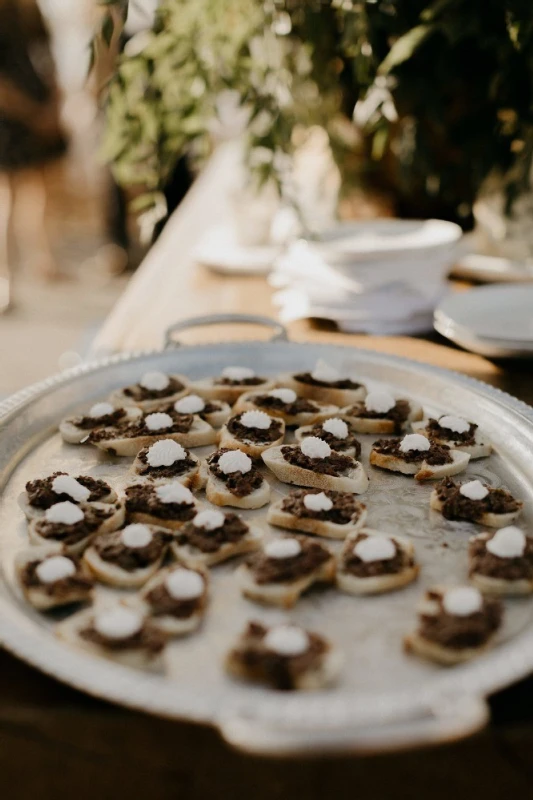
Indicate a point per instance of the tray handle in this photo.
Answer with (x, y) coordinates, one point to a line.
(452, 719)
(279, 335)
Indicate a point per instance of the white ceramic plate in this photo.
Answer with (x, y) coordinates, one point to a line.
(491, 269)
(491, 320)
(386, 238)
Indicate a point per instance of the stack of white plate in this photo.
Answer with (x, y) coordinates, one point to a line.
(495, 321)
(381, 276)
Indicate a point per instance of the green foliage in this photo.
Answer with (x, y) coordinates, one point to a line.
(445, 86)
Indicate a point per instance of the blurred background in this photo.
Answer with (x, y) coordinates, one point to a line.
(325, 113)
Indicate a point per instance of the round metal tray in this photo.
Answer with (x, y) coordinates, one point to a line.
(385, 698)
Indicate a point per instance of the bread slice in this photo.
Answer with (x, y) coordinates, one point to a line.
(356, 481)
(421, 469)
(31, 512)
(489, 519)
(414, 643)
(307, 430)
(246, 403)
(380, 426)
(322, 674)
(114, 575)
(72, 434)
(219, 417)
(194, 558)
(226, 393)
(119, 398)
(37, 596)
(322, 394)
(481, 448)
(217, 493)
(194, 478)
(199, 434)
(375, 584)
(136, 658)
(502, 587)
(330, 530)
(150, 519)
(248, 446)
(284, 594)
(116, 520)
(167, 623)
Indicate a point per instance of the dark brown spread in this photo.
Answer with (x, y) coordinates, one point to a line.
(343, 383)
(264, 665)
(436, 431)
(397, 414)
(140, 393)
(336, 444)
(210, 407)
(436, 455)
(458, 633)
(254, 381)
(41, 494)
(143, 499)
(163, 604)
(300, 405)
(88, 423)
(369, 569)
(256, 435)
(179, 467)
(111, 548)
(345, 507)
(63, 588)
(181, 423)
(147, 638)
(483, 562)
(72, 534)
(209, 541)
(238, 483)
(335, 464)
(457, 506)
(283, 570)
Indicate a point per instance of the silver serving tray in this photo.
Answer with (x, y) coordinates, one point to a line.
(385, 698)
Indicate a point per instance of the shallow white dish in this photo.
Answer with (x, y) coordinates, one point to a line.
(386, 238)
(492, 320)
(491, 269)
(221, 252)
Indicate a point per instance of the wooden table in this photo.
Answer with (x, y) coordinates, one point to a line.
(57, 743)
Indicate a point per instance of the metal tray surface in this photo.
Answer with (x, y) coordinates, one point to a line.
(385, 698)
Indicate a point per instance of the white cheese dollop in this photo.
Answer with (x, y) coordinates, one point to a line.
(174, 492)
(283, 548)
(313, 447)
(414, 441)
(154, 381)
(337, 427)
(55, 568)
(192, 404)
(325, 373)
(455, 424)
(100, 410)
(65, 484)
(158, 421)
(508, 542)
(461, 601)
(256, 419)
(318, 502)
(286, 396)
(209, 519)
(238, 373)
(287, 640)
(379, 402)
(234, 461)
(165, 453)
(118, 622)
(375, 548)
(474, 490)
(66, 513)
(184, 584)
(136, 535)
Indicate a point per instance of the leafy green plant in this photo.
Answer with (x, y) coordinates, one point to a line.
(443, 90)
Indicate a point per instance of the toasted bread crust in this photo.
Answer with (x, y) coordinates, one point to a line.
(491, 520)
(356, 482)
(245, 403)
(331, 530)
(227, 394)
(248, 446)
(446, 656)
(200, 434)
(119, 399)
(420, 469)
(283, 594)
(322, 394)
